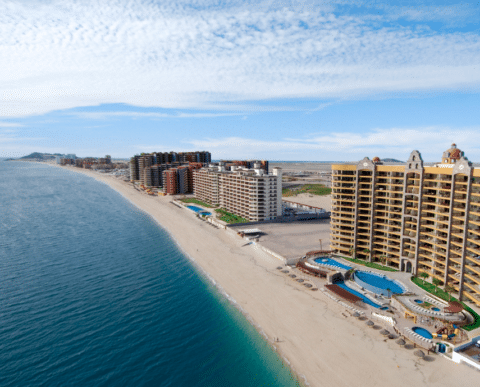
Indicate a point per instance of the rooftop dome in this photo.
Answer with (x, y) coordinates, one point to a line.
(452, 155)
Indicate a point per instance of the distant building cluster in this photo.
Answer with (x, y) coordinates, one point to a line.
(250, 193)
(90, 162)
(249, 164)
(171, 171)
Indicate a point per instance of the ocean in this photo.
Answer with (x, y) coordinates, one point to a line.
(94, 293)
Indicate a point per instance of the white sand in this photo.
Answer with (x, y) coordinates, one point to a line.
(320, 343)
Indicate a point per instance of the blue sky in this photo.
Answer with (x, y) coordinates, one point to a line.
(296, 80)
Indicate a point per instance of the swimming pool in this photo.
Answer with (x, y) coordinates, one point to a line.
(199, 210)
(422, 332)
(366, 300)
(332, 262)
(377, 283)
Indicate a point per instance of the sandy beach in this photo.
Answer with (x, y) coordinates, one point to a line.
(318, 337)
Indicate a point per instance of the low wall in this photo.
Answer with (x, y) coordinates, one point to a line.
(276, 255)
(387, 319)
(461, 358)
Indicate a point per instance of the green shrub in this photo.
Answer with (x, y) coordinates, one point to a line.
(230, 218)
(314, 189)
(372, 265)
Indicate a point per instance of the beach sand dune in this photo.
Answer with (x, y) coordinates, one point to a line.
(318, 337)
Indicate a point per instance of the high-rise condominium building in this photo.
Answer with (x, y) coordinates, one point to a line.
(249, 193)
(149, 168)
(419, 219)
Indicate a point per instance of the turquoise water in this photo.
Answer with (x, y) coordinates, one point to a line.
(365, 299)
(332, 262)
(94, 293)
(422, 332)
(378, 282)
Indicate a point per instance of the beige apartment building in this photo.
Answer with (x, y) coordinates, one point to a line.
(419, 219)
(206, 185)
(249, 193)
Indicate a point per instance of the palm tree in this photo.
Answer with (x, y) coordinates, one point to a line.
(449, 289)
(436, 282)
(388, 292)
(424, 276)
(352, 252)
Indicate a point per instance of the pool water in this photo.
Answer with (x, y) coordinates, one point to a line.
(365, 299)
(332, 262)
(436, 309)
(419, 301)
(199, 210)
(422, 332)
(378, 282)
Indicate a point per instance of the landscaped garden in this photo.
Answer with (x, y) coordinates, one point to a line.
(314, 189)
(440, 293)
(372, 265)
(196, 201)
(230, 218)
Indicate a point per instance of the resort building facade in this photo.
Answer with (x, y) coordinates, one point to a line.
(419, 219)
(249, 193)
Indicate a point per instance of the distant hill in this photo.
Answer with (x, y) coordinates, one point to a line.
(392, 161)
(39, 156)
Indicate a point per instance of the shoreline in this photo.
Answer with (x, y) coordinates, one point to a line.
(319, 342)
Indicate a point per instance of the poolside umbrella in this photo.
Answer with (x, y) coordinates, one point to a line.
(279, 268)
(370, 323)
(419, 353)
(400, 342)
(391, 336)
(356, 314)
(384, 332)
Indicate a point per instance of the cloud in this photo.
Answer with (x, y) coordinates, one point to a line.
(132, 114)
(10, 125)
(390, 142)
(59, 55)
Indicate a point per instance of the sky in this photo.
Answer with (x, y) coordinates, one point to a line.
(277, 80)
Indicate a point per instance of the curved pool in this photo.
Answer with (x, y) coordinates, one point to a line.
(366, 300)
(332, 262)
(422, 332)
(377, 283)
